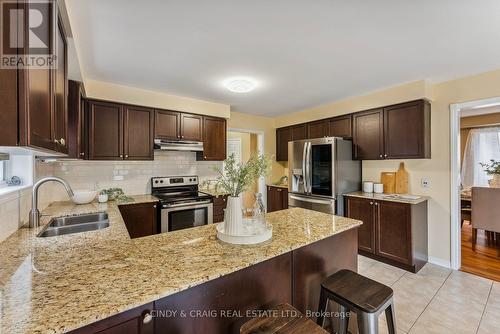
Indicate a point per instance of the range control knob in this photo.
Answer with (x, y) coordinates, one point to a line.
(156, 181)
(161, 181)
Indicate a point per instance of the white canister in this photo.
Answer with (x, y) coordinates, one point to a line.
(368, 187)
(378, 188)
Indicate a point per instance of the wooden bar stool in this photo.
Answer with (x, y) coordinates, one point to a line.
(282, 319)
(356, 293)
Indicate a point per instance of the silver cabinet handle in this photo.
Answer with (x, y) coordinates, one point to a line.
(385, 155)
(146, 319)
(56, 141)
(376, 203)
(371, 203)
(380, 156)
(126, 155)
(82, 154)
(154, 206)
(62, 141)
(312, 200)
(121, 155)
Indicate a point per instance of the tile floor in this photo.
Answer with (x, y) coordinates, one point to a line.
(437, 299)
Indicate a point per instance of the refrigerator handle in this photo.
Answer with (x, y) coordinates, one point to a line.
(308, 167)
(304, 175)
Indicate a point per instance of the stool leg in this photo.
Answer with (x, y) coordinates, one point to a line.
(344, 319)
(323, 303)
(391, 318)
(367, 323)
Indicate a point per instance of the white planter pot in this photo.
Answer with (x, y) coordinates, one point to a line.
(233, 216)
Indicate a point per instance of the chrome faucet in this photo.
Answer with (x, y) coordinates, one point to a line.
(34, 213)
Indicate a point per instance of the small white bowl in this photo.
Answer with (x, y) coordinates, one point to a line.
(83, 196)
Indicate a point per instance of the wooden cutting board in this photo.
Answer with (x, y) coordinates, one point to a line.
(402, 180)
(388, 179)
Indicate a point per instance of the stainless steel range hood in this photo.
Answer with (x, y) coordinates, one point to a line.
(178, 145)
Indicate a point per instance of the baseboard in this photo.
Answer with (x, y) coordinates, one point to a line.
(439, 262)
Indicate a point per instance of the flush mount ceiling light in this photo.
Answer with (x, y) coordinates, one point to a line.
(240, 84)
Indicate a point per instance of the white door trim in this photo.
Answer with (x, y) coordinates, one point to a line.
(260, 150)
(455, 110)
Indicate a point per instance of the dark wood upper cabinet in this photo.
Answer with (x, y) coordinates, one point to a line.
(299, 132)
(191, 127)
(77, 126)
(138, 129)
(140, 219)
(61, 90)
(340, 126)
(167, 124)
(317, 129)
(362, 209)
(105, 130)
(214, 139)
(407, 130)
(34, 100)
(368, 135)
(277, 198)
(283, 136)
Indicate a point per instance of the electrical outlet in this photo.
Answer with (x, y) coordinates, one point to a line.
(426, 183)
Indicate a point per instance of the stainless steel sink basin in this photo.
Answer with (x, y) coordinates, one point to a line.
(75, 224)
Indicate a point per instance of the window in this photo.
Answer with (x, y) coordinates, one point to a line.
(3, 169)
(482, 146)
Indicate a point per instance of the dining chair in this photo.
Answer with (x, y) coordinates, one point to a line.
(485, 211)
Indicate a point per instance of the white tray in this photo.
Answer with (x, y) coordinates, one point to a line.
(254, 233)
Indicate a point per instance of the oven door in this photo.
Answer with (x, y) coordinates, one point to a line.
(185, 215)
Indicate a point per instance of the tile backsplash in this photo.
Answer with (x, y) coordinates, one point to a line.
(132, 176)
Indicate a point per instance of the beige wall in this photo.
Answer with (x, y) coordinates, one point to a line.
(470, 122)
(436, 169)
(132, 95)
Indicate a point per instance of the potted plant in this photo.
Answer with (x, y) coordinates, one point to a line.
(234, 179)
(492, 168)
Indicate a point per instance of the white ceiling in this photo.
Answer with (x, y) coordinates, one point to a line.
(303, 53)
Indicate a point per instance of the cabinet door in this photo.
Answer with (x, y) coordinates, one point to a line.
(138, 320)
(318, 129)
(214, 138)
(61, 90)
(393, 231)
(167, 125)
(36, 90)
(363, 209)
(340, 127)
(105, 131)
(368, 135)
(299, 132)
(277, 199)
(407, 131)
(283, 136)
(138, 133)
(220, 203)
(191, 127)
(140, 219)
(76, 121)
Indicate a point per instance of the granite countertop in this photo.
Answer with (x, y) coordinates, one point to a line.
(57, 284)
(389, 197)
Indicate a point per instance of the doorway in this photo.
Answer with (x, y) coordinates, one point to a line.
(475, 143)
(243, 144)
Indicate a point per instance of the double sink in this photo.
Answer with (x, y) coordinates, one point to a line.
(75, 224)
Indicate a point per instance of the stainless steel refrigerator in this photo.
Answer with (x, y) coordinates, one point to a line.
(319, 172)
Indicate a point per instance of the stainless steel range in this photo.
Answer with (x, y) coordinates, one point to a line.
(181, 204)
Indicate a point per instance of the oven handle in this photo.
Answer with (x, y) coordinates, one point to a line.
(166, 206)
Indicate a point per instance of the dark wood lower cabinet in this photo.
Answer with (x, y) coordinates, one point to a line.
(219, 204)
(277, 198)
(138, 320)
(140, 219)
(222, 305)
(392, 232)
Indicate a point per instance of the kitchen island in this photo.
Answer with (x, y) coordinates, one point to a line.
(185, 281)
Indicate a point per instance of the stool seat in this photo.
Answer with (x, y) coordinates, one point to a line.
(357, 292)
(282, 319)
